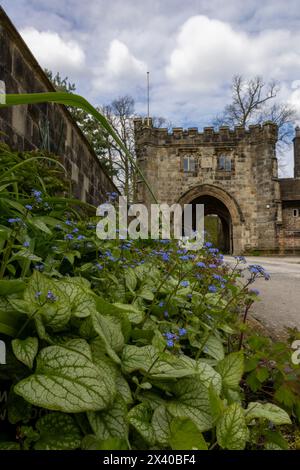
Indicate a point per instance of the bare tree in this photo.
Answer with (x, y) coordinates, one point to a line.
(120, 113)
(253, 103)
(159, 121)
(249, 98)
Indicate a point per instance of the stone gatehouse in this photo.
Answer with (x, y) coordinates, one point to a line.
(234, 173)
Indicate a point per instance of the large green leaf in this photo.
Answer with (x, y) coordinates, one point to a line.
(58, 431)
(55, 314)
(267, 411)
(25, 350)
(231, 369)
(216, 403)
(214, 348)
(140, 418)
(184, 435)
(80, 297)
(130, 279)
(147, 359)
(125, 312)
(161, 421)
(123, 388)
(232, 432)
(101, 358)
(135, 358)
(67, 381)
(26, 254)
(14, 286)
(91, 442)
(134, 314)
(79, 345)
(111, 422)
(10, 320)
(8, 445)
(177, 433)
(37, 222)
(18, 409)
(146, 293)
(110, 331)
(192, 401)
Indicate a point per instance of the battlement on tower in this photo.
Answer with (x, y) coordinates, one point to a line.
(145, 132)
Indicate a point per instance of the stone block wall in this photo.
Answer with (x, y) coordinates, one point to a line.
(289, 235)
(23, 127)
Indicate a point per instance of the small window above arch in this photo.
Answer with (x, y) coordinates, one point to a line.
(224, 163)
(189, 164)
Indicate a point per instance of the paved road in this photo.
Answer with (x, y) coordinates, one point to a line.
(280, 296)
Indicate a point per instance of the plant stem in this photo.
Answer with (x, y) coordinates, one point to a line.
(248, 306)
(6, 256)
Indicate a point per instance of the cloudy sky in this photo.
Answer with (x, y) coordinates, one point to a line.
(192, 48)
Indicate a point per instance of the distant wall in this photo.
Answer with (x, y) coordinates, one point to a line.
(23, 127)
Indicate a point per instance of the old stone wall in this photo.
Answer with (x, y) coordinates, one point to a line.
(289, 234)
(25, 127)
(249, 189)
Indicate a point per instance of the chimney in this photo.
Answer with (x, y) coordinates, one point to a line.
(296, 141)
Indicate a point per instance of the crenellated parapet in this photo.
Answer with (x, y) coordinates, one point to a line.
(146, 133)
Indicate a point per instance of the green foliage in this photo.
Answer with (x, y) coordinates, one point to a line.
(232, 432)
(270, 370)
(107, 339)
(97, 137)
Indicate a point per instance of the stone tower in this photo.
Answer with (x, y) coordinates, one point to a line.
(296, 141)
(232, 172)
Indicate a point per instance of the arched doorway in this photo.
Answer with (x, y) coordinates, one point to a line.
(217, 222)
(222, 211)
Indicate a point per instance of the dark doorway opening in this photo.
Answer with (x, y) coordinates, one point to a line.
(217, 223)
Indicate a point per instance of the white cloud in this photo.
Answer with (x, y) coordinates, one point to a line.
(209, 52)
(294, 98)
(121, 61)
(120, 68)
(54, 52)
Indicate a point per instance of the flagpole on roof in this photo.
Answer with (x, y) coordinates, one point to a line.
(148, 99)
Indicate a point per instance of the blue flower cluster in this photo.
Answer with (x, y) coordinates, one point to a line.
(212, 289)
(107, 255)
(258, 271)
(50, 296)
(112, 196)
(39, 267)
(241, 259)
(254, 291)
(72, 232)
(201, 264)
(184, 283)
(37, 196)
(220, 279)
(171, 338)
(16, 220)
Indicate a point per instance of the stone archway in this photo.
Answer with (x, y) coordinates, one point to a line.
(220, 202)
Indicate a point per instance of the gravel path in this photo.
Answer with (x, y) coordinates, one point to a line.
(280, 296)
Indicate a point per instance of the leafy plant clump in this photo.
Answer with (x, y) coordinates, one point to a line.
(122, 344)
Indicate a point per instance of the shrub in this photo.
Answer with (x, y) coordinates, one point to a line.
(123, 344)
